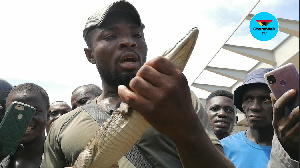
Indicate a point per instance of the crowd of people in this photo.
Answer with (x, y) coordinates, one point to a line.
(30, 152)
(182, 132)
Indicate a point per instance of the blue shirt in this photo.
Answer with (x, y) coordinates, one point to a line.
(244, 153)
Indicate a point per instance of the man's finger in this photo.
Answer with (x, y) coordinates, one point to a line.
(279, 106)
(293, 117)
(142, 87)
(162, 65)
(151, 75)
(273, 99)
(134, 100)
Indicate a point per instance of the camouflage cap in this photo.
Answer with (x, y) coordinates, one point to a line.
(121, 5)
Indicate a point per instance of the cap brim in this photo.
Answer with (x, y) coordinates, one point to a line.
(238, 97)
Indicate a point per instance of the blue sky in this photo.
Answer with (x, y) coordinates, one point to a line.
(41, 41)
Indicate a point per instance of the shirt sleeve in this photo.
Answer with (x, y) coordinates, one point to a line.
(279, 157)
(53, 155)
(68, 136)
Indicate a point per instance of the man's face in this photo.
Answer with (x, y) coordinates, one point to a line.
(80, 97)
(257, 106)
(37, 125)
(56, 110)
(221, 112)
(119, 49)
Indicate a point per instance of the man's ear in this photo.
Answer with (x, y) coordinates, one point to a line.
(89, 55)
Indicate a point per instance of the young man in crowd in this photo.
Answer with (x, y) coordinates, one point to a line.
(57, 109)
(82, 94)
(221, 112)
(156, 89)
(34, 137)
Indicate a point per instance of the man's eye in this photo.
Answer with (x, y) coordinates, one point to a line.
(137, 35)
(214, 109)
(247, 100)
(110, 37)
(267, 99)
(38, 112)
(230, 111)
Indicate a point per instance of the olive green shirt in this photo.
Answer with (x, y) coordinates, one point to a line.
(71, 132)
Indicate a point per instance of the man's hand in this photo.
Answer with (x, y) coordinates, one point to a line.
(286, 127)
(160, 92)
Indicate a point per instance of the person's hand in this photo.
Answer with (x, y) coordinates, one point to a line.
(286, 127)
(160, 92)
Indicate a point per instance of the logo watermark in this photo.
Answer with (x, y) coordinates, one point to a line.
(264, 26)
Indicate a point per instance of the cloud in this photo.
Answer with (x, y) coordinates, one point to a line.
(254, 43)
(41, 41)
(286, 9)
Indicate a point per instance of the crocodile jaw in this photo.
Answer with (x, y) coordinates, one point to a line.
(181, 52)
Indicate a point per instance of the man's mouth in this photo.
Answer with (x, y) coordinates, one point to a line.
(129, 60)
(254, 117)
(29, 128)
(222, 123)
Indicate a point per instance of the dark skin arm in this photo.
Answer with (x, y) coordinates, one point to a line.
(286, 127)
(160, 92)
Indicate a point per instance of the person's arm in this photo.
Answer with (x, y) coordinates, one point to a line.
(161, 94)
(286, 127)
(279, 157)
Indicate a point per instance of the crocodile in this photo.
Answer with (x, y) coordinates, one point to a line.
(122, 130)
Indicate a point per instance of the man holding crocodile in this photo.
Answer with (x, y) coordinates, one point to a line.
(179, 135)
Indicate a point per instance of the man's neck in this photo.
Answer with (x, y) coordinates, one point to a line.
(31, 155)
(109, 99)
(261, 136)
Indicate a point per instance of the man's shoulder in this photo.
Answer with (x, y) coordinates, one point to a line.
(68, 136)
(233, 137)
(75, 117)
(67, 116)
(73, 113)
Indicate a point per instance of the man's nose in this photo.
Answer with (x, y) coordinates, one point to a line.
(127, 43)
(222, 113)
(255, 105)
